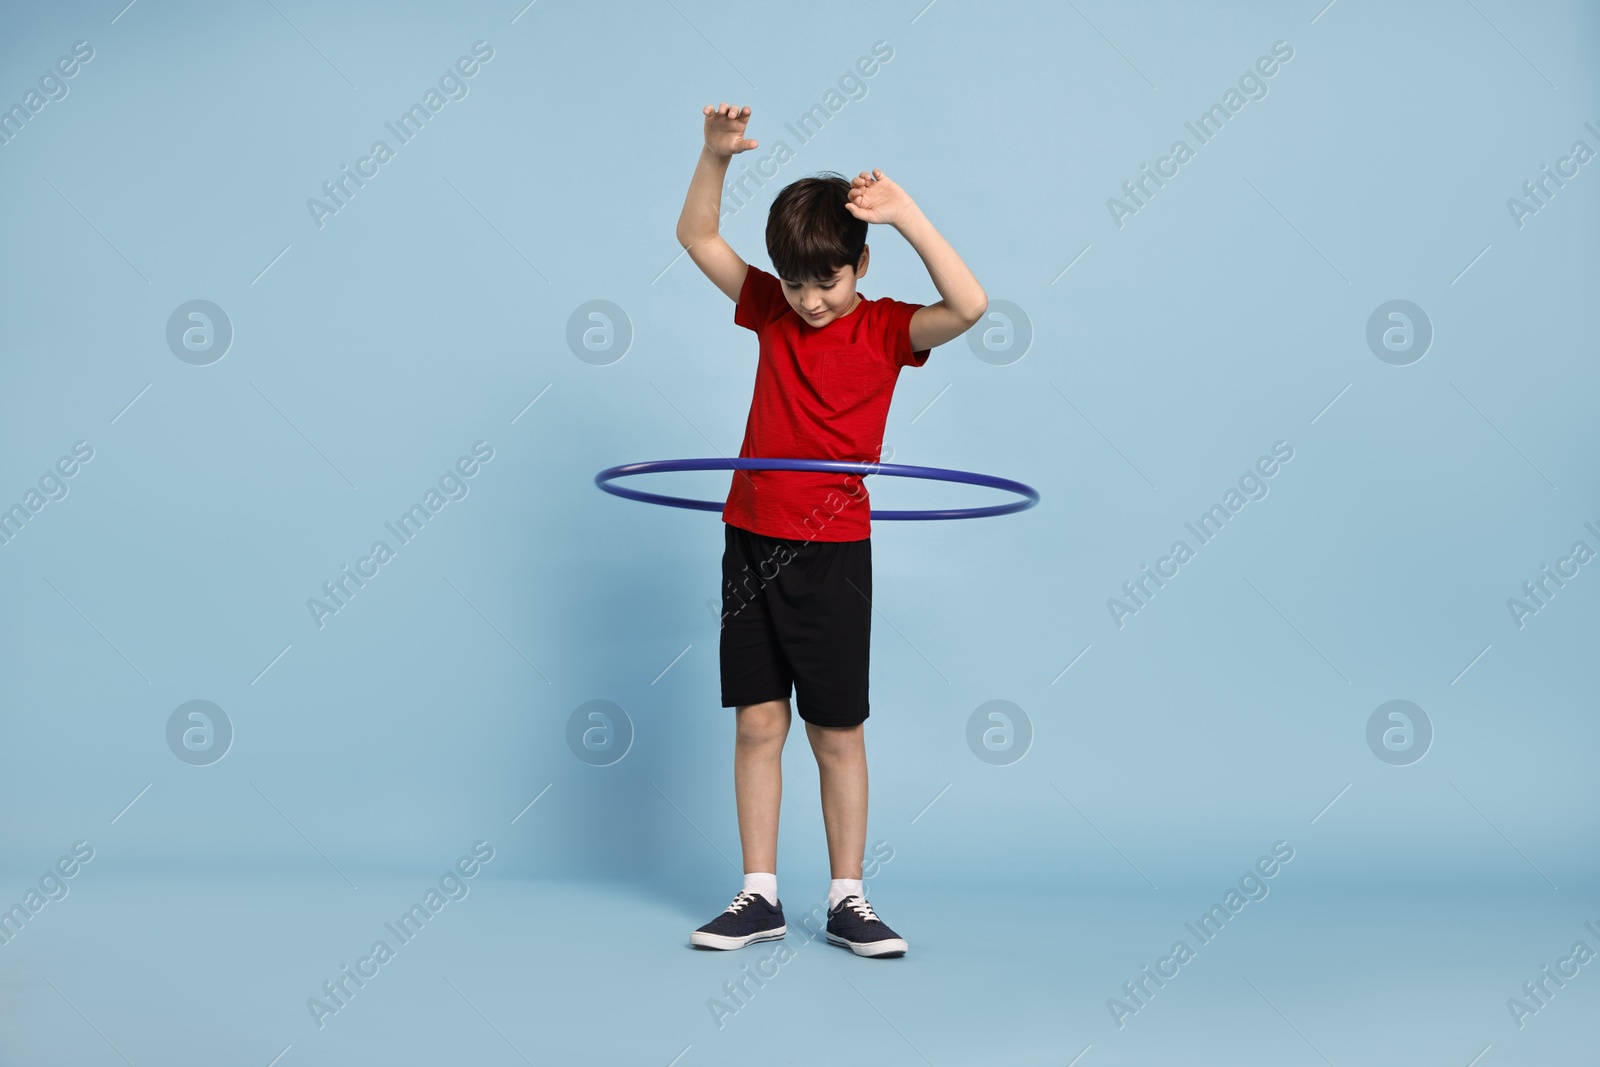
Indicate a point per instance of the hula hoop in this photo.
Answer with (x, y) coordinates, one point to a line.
(1030, 495)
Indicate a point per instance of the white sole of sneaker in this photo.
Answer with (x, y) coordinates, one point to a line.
(705, 940)
(889, 946)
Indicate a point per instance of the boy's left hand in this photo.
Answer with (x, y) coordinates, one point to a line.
(875, 197)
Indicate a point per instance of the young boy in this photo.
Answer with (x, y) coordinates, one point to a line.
(797, 561)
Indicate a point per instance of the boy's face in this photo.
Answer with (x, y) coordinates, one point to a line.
(820, 302)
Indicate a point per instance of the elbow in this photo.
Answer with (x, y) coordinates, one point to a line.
(975, 311)
(685, 231)
(691, 235)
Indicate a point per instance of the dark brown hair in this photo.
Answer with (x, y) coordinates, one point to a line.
(810, 234)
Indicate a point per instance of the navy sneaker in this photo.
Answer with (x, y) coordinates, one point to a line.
(854, 925)
(747, 921)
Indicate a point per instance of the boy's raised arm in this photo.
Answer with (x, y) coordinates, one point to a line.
(697, 225)
(876, 198)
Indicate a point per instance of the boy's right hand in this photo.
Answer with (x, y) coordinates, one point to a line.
(725, 125)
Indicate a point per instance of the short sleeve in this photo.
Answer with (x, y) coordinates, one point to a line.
(895, 321)
(760, 300)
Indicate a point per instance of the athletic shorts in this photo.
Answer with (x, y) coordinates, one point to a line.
(797, 614)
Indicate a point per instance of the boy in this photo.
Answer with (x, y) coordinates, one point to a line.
(797, 559)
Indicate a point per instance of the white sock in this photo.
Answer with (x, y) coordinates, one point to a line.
(840, 888)
(765, 884)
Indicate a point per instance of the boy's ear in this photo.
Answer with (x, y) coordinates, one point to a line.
(861, 266)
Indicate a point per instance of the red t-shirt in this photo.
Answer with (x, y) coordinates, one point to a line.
(820, 393)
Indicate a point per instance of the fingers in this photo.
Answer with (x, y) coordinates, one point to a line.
(866, 180)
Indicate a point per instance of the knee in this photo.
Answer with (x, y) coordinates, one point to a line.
(763, 725)
(837, 744)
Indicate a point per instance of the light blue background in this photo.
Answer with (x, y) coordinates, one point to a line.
(427, 314)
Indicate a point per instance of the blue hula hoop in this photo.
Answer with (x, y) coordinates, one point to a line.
(1030, 495)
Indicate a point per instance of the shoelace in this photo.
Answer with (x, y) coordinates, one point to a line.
(739, 902)
(862, 909)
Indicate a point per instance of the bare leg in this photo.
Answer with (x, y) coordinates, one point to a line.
(758, 780)
(841, 753)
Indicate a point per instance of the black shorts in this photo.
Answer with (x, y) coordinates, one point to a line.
(797, 613)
